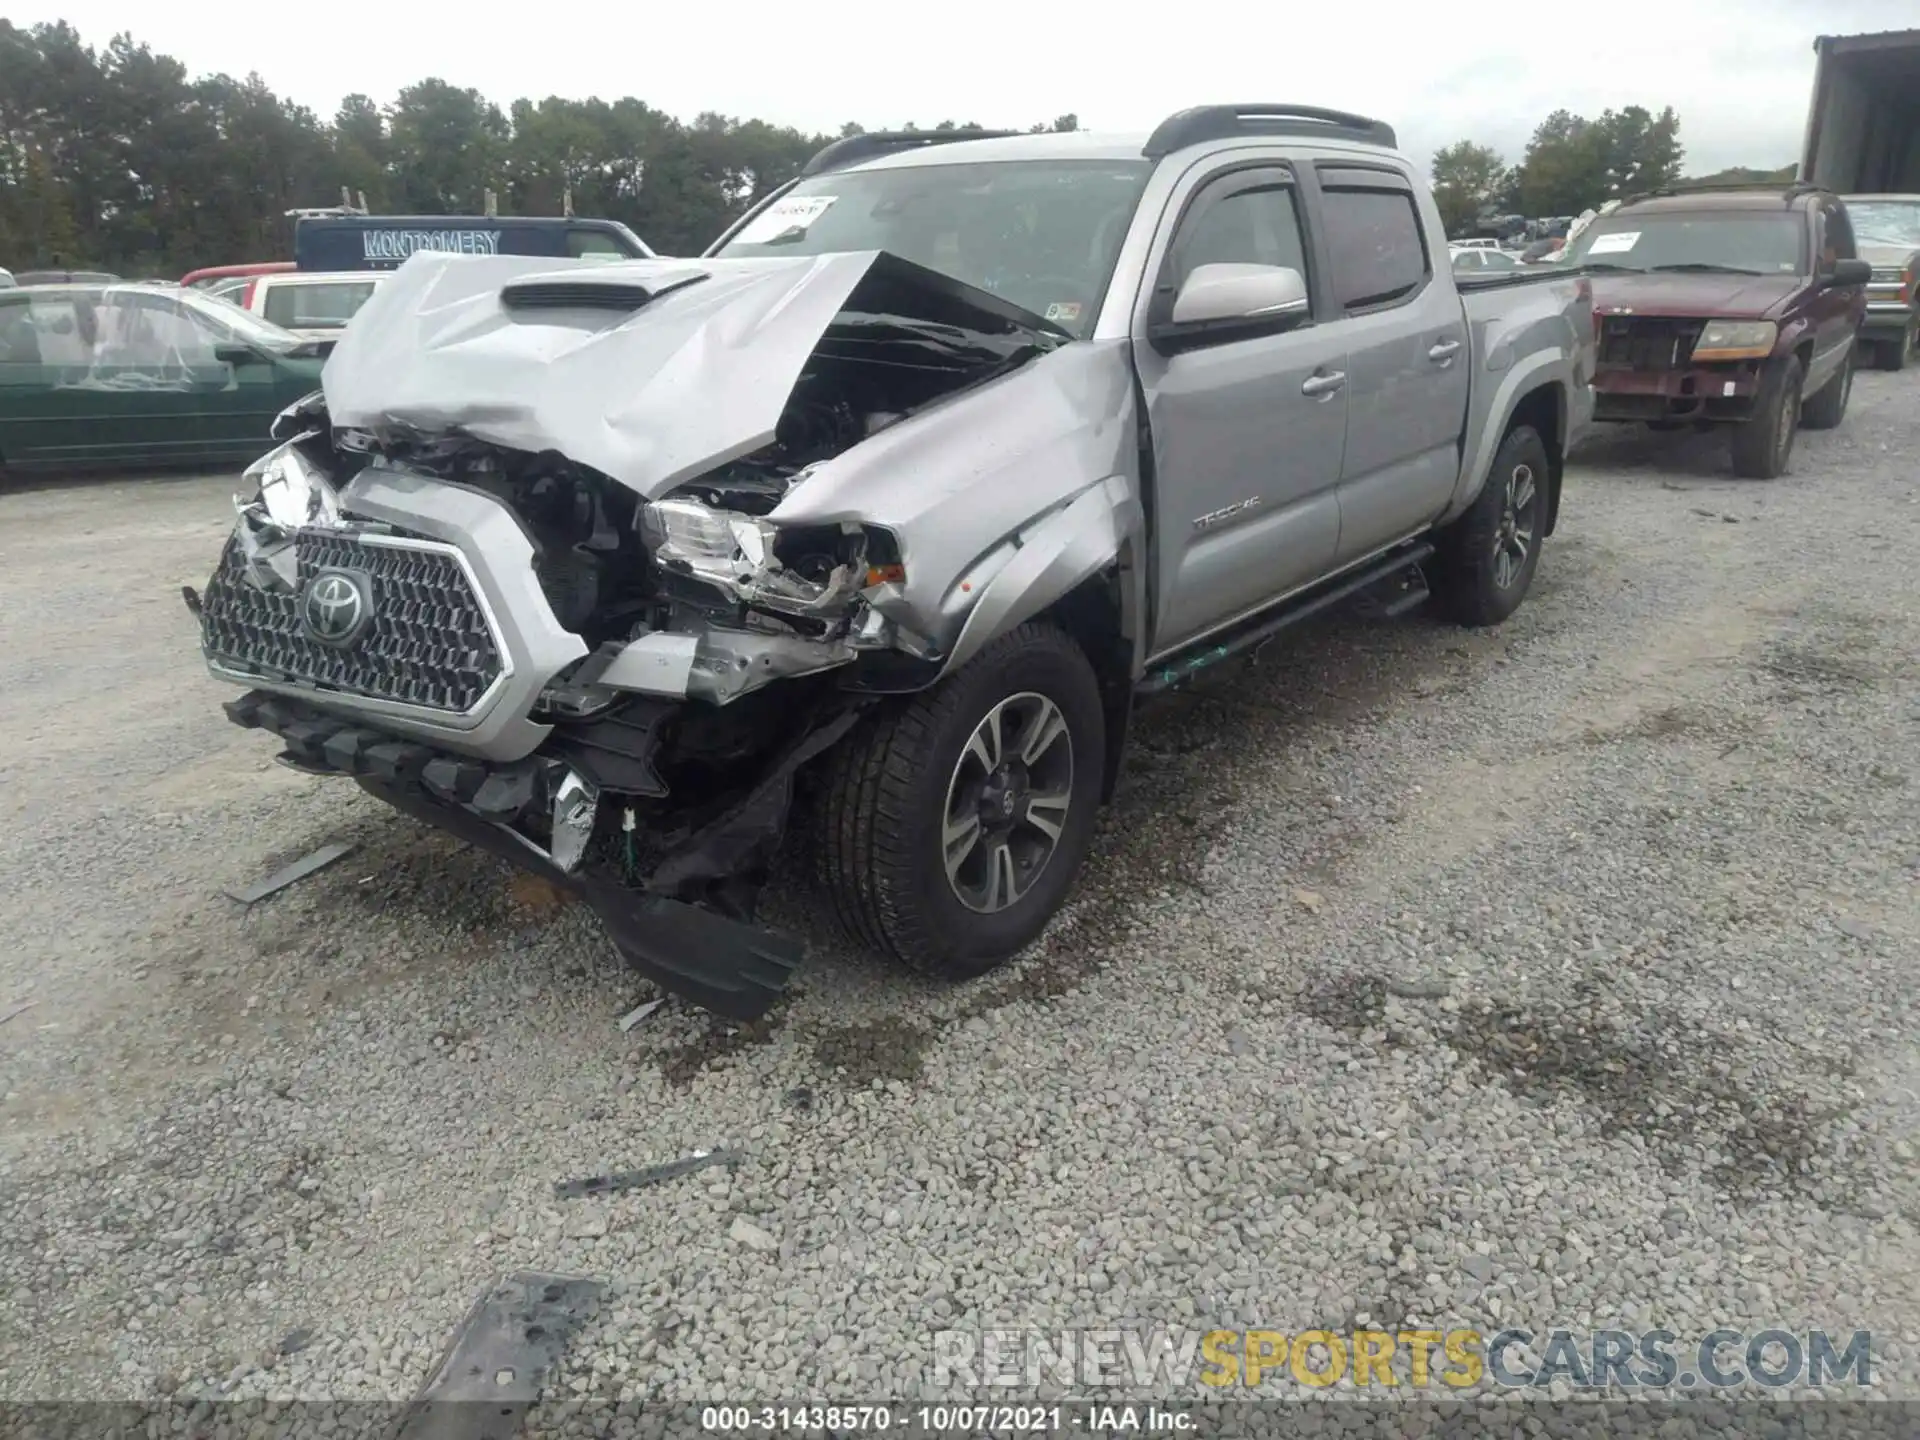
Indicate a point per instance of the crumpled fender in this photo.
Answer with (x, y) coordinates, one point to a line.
(1045, 561)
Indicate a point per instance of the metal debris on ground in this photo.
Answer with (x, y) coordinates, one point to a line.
(638, 1179)
(13, 1010)
(639, 1012)
(499, 1355)
(298, 870)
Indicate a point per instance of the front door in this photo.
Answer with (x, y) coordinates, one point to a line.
(1837, 310)
(1247, 432)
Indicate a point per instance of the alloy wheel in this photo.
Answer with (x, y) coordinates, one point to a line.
(1007, 802)
(1513, 536)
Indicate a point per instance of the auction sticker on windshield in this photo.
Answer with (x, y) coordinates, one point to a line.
(1614, 244)
(795, 212)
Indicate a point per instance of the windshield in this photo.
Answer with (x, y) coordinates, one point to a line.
(1885, 222)
(239, 324)
(1041, 234)
(1758, 242)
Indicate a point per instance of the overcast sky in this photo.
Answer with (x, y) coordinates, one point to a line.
(1738, 71)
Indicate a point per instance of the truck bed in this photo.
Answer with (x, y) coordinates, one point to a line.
(1522, 327)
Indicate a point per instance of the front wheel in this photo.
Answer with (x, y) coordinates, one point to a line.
(953, 824)
(1763, 445)
(1486, 558)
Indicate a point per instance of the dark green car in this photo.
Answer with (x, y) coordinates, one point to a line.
(97, 376)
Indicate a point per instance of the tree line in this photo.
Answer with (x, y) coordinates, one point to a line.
(1573, 163)
(115, 158)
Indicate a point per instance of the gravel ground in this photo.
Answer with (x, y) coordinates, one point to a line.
(1556, 975)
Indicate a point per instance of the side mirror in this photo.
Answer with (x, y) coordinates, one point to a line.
(1234, 301)
(234, 353)
(1849, 272)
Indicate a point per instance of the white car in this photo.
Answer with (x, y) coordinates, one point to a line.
(1480, 260)
(315, 305)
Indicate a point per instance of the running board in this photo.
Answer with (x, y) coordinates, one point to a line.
(1397, 575)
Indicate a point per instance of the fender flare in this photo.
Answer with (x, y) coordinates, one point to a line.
(1043, 562)
(1547, 366)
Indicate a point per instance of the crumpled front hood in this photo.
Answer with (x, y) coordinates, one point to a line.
(535, 354)
(1709, 297)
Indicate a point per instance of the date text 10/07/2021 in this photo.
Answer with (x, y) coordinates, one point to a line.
(1084, 1419)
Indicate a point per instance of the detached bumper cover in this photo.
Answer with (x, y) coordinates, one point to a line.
(726, 965)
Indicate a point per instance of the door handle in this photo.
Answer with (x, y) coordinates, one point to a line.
(1443, 351)
(1321, 386)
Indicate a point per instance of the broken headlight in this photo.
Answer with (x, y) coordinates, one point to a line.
(292, 489)
(717, 545)
(752, 560)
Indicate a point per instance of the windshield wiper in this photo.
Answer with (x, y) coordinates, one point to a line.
(1703, 267)
(1609, 265)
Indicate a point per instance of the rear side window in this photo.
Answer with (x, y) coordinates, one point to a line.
(317, 307)
(1379, 256)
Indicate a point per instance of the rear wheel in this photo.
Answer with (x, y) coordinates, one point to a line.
(1763, 445)
(1487, 557)
(1894, 354)
(953, 825)
(1828, 407)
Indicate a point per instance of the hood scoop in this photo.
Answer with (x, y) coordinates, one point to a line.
(548, 292)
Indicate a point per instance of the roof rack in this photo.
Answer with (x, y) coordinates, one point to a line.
(855, 148)
(1225, 122)
(1790, 190)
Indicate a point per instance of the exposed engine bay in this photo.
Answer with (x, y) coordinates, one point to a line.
(632, 738)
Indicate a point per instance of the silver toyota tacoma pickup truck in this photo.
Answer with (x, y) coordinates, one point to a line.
(899, 497)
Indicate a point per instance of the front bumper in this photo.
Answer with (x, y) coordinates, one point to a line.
(1719, 393)
(726, 965)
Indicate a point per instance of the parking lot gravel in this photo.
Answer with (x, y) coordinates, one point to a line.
(1562, 974)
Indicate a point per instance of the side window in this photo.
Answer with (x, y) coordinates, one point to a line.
(19, 342)
(58, 330)
(144, 332)
(593, 245)
(1840, 242)
(1379, 254)
(1249, 219)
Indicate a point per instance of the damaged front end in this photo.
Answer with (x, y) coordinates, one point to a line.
(477, 579)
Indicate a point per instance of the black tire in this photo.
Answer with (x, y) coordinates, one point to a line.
(1478, 579)
(1894, 354)
(1763, 446)
(1828, 407)
(884, 812)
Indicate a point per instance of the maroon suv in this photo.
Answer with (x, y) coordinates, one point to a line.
(1727, 307)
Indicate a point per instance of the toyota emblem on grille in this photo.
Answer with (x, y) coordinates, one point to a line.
(336, 606)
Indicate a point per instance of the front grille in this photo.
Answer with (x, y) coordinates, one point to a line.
(428, 643)
(1630, 343)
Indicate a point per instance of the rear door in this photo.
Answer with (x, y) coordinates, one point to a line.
(1406, 341)
(1247, 432)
